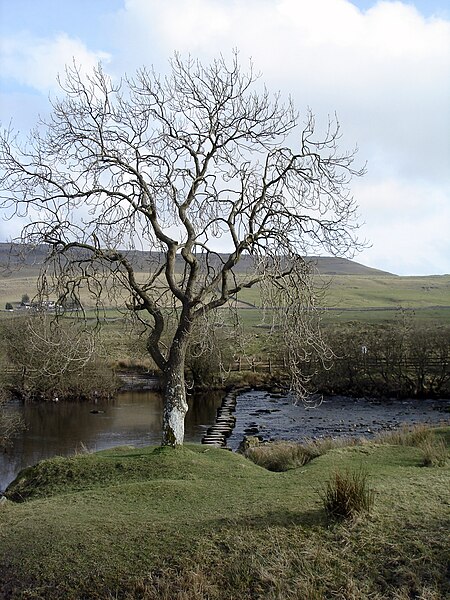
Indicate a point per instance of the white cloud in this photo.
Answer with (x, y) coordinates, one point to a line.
(408, 224)
(36, 62)
(385, 71)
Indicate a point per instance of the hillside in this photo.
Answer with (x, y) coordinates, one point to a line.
(330, 265)
(350, 286)
(30, 261)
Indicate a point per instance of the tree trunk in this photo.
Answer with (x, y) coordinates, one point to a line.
(175, 405)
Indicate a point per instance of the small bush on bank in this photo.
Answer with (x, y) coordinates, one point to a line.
(49, 359)
(10, 424)
(434, 452)
(280, 456)
(347, 494)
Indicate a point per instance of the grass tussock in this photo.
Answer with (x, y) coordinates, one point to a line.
(430, 440)
(285, 455)
(407, 435)
(321, 446)
(434, 452)
(347, 495)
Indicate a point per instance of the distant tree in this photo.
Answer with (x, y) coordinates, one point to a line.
(9, 306)
(200, 161)
(54, 359)
(25, 299)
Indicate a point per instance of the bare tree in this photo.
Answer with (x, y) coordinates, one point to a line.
(187, 165)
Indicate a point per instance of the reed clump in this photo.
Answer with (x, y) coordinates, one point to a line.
(347, 494)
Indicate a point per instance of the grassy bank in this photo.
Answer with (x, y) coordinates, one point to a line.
(197, 522)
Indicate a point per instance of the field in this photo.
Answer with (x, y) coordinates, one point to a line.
(352, 294)
(347, 296)
(195, 523)
(371, 298)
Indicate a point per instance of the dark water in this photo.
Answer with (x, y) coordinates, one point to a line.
(133, 418)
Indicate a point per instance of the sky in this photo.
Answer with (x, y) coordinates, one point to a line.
(382, 66)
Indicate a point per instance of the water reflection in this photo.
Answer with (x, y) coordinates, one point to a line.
(133, 418)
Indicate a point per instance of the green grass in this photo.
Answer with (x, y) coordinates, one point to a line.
(197, 522)
(375, 299)
(367, 291)
(358, 291)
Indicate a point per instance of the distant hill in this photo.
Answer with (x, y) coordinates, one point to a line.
(329, 265)
(30, 261)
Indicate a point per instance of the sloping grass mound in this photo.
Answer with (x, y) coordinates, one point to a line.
(197, 523)
(61, 475)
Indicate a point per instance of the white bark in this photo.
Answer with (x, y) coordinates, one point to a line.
(175, 409)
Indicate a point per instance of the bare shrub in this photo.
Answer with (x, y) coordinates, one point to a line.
(51, 359)
(10, 424)
(402, 359)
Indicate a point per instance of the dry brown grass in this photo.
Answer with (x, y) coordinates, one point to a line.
(407, 435)
(280, 456)
(347, 494)
(435, 452)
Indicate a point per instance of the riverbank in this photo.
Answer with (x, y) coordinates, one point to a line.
(135, 418)
(197, 522)
(64, 428)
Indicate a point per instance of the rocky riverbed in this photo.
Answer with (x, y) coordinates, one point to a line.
(275, 416)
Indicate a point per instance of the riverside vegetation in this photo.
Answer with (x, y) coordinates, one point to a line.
(392, 359)
(402, 322)
(202, 523)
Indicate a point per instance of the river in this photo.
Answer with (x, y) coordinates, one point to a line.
(274, 416)
(62, 428)
(135, 418)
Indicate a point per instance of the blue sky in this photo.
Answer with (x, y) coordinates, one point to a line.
(382, 66)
